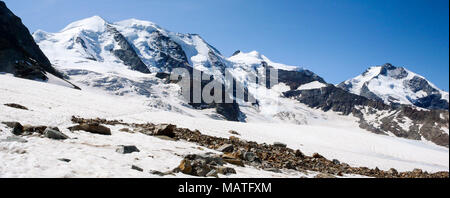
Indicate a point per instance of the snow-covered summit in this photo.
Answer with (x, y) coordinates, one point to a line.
(89, 40)
(397, 85)
(94, 23)
(139, 25)
(256, 58)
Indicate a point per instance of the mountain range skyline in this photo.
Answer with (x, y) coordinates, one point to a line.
(305, 54)
(108, 99)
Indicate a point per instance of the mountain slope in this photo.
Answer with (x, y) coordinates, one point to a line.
(397, 85)
(19, 54)
(91, 39)
(293, 99)
(95, 155)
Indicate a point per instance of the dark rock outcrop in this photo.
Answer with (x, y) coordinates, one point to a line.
(295, 79)
(126, 53)
(170, 54)
(331, 98)
(19, 54)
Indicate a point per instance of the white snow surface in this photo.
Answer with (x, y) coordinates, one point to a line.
(94, 155)
(255, 58)
(312, 85)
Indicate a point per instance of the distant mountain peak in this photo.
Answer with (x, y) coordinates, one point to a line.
(256, 58)
(94, 23)
(397, 85)
(389, 66)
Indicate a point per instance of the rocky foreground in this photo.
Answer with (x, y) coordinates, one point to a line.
(275, 157)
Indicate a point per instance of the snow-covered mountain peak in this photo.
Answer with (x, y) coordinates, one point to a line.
(397, 85)
(139, 24)
(89, 40)
(254, 58)
(94, 23)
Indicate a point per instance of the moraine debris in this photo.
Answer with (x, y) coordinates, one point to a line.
(272, 157)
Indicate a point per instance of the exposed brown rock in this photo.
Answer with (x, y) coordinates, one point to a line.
(92, 128)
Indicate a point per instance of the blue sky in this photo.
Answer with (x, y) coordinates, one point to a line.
(337, 39)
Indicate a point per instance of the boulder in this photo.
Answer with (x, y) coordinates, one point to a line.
(417, 171)
(65, 160)
(251, 157)
(92, 128)
(227, 148)
(279, 144)
(34, 129)
(54, 134)
(392, 171)
(17, 106)
(207, 158)
(17, 128)
(127, 149)
(165, 130)
(226, 170)
(137, 168)
(299, 154)
(185, 167)
(336, 162)
(317, 156)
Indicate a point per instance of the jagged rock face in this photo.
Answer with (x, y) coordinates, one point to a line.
(395, 86)
(296, 78)
(230, 111)
(126, 52)
(19, 53)
(170, 53)
(402, 121)
(333, 98)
